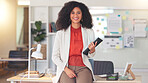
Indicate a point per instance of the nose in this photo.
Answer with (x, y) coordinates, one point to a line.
(75, 14)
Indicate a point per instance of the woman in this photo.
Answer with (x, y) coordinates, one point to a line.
(74, 35)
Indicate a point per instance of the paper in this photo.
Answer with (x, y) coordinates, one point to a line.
(128, 40)
(146, 29)
(120, 38)
(133, 22)
(102, 32)
(102, 76)
(112, 41)
(139, 21)
(125, 29)
(117, 47)
(107, 15)
(123, 17)
(105, 27)
(127, 12)
(139, 27)
(97, 18)
(130, 18)
(120, 29)
(114, 23)
(139, 30)
(102, 19)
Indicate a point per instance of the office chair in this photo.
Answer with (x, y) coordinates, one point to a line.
(17, 65)
(103, 67)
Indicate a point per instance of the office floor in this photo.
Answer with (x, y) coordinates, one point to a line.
(6, 74)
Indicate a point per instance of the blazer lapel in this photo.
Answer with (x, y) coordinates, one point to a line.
(67, 41)
(84, 36)
(85, 40)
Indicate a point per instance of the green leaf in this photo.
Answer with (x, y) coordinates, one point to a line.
(33, 31)
(42, 36)
(37, 39)
(38, 25)
(43, 30)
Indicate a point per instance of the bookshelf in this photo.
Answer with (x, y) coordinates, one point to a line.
(40, 11)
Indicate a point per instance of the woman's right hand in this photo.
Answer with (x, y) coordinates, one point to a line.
(69, 72)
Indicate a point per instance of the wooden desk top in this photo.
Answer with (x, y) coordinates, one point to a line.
(13, 59)
(103, 80)
(42, 79)
(48, 79)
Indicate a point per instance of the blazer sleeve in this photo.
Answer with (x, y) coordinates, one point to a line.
(91, 37)
(56, 56)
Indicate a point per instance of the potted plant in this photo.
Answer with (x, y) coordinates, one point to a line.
(39, 35)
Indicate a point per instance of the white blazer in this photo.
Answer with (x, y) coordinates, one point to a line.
(60, 53)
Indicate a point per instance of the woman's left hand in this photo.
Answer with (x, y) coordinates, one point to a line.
(91, 47)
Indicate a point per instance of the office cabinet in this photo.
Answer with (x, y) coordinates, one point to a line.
(39, 11)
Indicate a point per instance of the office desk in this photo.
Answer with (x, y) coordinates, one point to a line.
(13, 59)
(48, 79)
(103, 80)
(3, 60)
(15, 79)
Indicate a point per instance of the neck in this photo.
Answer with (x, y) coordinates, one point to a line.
(75, 25)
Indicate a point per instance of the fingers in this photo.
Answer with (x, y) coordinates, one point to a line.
(95, 43)
(91, 51)
(70, 72)
(72, 75)
(92, 46)
(91, 43)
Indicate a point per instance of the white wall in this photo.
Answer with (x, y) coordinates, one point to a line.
(107, 3)
(128, 4)
(138, 54)
(7, 26)
(53, 13)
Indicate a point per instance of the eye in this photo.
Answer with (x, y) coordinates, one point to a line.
(72, 12)
(78, 12)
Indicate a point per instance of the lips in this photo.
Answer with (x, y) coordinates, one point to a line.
(76, 18)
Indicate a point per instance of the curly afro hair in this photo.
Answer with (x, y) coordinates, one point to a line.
(64, 21)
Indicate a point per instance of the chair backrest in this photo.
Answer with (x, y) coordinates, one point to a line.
(103, 67)
(18, 54)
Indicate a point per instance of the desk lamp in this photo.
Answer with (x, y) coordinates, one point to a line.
(37, 54)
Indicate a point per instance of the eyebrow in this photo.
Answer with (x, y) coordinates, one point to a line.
(76, 11)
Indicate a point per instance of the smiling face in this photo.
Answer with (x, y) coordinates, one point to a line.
(76, 15)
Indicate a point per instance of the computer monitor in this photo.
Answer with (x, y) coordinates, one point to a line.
(128, 70)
